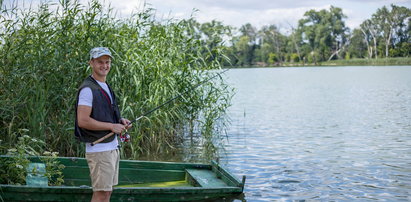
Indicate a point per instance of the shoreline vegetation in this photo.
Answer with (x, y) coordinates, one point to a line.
(401, 61)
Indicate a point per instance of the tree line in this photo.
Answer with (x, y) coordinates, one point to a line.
(319, 36)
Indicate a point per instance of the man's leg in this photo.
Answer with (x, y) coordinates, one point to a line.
(101, 196)
(104, 168)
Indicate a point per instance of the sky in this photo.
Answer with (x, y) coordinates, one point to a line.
(282, 13)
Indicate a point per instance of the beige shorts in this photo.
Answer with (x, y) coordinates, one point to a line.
(104, 168)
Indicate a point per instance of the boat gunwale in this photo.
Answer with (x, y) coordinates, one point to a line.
(25, 188)
(80, 162)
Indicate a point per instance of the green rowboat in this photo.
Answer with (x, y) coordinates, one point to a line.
(138, 181)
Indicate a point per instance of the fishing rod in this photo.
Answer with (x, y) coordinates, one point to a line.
(158, 107)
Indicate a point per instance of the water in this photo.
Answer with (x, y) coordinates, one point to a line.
(329, 133)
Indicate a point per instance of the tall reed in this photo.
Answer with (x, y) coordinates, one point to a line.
(43, 59)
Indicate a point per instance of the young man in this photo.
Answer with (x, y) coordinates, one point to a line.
(97, 114)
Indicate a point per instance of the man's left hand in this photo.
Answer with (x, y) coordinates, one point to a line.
(126, 122)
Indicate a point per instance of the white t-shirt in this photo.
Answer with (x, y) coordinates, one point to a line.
(86, 98)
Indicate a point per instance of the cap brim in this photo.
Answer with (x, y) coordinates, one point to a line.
(97, 56)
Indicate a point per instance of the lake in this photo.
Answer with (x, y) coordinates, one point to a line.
(321, 133)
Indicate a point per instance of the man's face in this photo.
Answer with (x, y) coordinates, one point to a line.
(101, 65)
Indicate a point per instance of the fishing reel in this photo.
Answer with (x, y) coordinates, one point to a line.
(125, 137)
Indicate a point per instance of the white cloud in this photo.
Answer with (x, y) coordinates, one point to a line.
(282, 17)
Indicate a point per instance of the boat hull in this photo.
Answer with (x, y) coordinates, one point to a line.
(138, 181)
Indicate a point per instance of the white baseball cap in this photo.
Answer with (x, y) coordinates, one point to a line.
(99, 51)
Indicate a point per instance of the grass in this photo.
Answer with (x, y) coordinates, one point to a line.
(398, 61)
(369, 62)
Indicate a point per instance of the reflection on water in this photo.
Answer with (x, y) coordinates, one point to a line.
(330, 133)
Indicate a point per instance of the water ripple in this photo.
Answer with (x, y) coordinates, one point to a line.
(342, 134)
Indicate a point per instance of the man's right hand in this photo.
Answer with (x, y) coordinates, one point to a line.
(117, 128)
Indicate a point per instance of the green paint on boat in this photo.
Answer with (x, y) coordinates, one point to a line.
(180, 183)
(138, 181)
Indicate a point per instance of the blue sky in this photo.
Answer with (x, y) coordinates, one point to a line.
(283, 13)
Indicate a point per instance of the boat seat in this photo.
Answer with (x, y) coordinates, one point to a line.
(204, 178)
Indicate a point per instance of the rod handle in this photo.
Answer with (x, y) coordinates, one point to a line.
(101, 139)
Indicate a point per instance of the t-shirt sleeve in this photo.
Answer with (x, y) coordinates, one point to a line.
(85, 97)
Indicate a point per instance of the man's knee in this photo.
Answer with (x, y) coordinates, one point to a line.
(101, 195)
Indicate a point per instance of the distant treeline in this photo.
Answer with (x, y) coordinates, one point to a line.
(320, 36)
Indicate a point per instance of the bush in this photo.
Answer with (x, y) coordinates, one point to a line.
(13, 170)
(294, 57)
(272, 58)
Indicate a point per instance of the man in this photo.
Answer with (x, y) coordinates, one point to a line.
(97, 114)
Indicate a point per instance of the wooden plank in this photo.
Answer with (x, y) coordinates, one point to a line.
(65, 193)
(180, 183)
(171, 194)
(159, 165)
(225, 175)
(76, 172)
(67, 161)
(132, 176)
(128, 175)
(77, 182)
(176, 190)
(73, 161)
(77, 161)
(205, 178)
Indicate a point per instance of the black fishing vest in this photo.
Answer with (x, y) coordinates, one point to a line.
(102, 110)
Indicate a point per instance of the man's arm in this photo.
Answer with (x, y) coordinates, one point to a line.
(85, 121)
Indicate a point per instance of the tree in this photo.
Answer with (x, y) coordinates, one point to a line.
(369, 30)
(359, 46)
(324, 31)
(295, 42)
(338, 31)
(272, 58)
(262, 53)
(272, 41)
(244, 51)
(245, 45)
(213, 33)
(249, 31)
(399, 16)
(388, 28)
(383, 20)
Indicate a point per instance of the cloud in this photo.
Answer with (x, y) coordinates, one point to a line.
(126, 7)
(282, 17)
(257, 4)
(232, 12)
